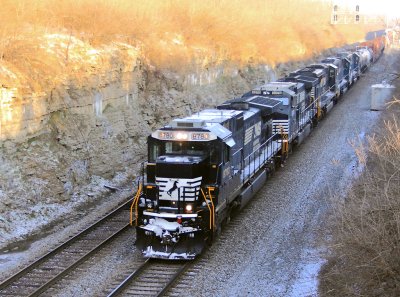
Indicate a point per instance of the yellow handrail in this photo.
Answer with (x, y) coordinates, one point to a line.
(212, 204)
(134, 203)
(285, 140)
(205, 199)
(319, 111)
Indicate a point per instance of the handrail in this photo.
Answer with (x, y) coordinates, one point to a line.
(319, 111)
(134, 203)
(209, 208)
(238, 155)
(268, 147)
(137, 202)
(285, 144)
(212, 204)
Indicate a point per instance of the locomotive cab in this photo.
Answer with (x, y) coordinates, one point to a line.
(339, 69)
(356, 65)
(348, 67)
(332, 81)
(289, 116)
(316, 83)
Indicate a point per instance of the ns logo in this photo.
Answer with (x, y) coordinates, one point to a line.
(175, 188)
(171, 189)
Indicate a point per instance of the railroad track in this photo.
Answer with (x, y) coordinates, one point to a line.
(152, 278)
(42, 274)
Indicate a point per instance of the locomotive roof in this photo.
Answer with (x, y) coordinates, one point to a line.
(213, 115)
(345, 54)
(322, 65)
(307, 80)
(210, 120)
(317, 71)
(207, 120)
(279, 85)
(309, 72)
(220, 131)
(255, 100)
(290, 88)
(249, 101)
(330, 59)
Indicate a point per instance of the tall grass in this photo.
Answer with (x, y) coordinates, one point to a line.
(365, 259)
(174, 31)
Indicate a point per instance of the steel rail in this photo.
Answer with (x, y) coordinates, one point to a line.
(25, 271)
(129, 281)
(173, 279)
(70, 268)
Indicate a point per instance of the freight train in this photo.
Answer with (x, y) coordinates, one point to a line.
(203, 167)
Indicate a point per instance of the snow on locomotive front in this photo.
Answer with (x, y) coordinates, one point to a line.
(174, 211)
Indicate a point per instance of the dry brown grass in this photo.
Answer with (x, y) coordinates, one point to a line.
(170, 33)
(365, 259)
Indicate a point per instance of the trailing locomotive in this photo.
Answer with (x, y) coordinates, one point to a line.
(202, 167)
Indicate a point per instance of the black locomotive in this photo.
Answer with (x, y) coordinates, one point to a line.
(202, 167)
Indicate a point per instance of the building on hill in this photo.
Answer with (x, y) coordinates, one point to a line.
(354, 12)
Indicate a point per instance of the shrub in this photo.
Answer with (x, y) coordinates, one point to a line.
(365, 259)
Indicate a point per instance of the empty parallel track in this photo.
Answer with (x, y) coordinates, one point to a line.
(153, 278)
(50, 268)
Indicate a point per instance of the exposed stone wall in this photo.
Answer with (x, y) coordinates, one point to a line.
(59, 149)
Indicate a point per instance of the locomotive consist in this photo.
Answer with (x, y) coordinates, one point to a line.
(202, 167)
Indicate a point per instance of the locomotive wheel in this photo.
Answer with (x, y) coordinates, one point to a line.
(270, 168)
(277, 162)
(226, 220)
(218, 230)
(209, 239)
(314, 122)
(290, 149)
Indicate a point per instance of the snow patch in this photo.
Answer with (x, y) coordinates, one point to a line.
(383, 85)
(160, 225)
(164, 224)
(150, 253)
(307, 282)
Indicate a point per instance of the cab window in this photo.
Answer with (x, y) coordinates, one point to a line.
(226, 153)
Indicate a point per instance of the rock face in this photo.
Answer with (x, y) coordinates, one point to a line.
(60, 147)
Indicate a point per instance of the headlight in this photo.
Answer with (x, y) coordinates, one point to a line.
(182, 136)
(189, 208)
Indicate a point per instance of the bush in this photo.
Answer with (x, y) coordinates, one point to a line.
(365, 259)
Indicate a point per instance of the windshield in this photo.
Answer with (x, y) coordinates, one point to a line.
(184, 148)
(159, 148)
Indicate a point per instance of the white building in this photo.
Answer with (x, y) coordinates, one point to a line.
(353, 12)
